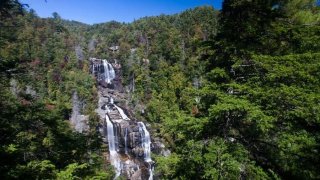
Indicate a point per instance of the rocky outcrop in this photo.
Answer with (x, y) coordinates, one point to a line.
(130, 138)
(78, 120)
(160, 148)
(79, 53)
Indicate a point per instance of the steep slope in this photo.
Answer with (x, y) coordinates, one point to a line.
(128, 140)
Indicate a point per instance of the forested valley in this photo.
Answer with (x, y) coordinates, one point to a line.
(232, 93)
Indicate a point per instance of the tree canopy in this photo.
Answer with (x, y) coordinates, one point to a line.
(234, 93)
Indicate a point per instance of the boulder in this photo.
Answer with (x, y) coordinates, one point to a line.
(137, 175)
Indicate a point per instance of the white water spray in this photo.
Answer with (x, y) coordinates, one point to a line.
(146, 142)
(109, 73)
(114, 158)
(122, 114)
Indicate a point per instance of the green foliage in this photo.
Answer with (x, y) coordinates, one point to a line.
(218, 75)
(39, 73)
(302, 12)
(72, 171)
(226, 161)
(167, 166)
(36, 170)
(233, 93)
(254, 112)
(10, 7)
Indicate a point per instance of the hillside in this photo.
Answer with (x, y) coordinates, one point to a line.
(231, 94)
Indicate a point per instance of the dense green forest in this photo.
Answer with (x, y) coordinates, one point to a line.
(234, 93)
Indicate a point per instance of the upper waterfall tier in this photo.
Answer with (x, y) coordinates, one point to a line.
(102, 70)
(107, 73)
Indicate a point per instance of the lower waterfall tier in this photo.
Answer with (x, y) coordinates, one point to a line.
(131, 142)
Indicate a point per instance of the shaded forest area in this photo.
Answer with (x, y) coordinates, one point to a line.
(234, 94)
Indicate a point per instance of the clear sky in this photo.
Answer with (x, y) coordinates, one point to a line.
(97, 11)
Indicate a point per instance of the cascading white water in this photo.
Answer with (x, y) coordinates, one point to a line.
(122, 114)
(111, 100)
(109, 73)
(104, 71)
(114, 158)
(112, 74)
(151, 172)
(146, 142)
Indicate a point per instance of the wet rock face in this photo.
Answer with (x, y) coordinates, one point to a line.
(134, 139)
(128, 139)
(117, 80)
(128, 136)
(99, 69)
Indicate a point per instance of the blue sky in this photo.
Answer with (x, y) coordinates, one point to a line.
(97, 11)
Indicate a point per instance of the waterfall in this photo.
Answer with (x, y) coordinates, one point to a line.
(103, 71)
(145, 138)
(114, 158)
(151, 172)
(112, 73)
(109, 73)
(127, 140)
(93, 72)
(146, 142)
(106, 72)
(123, 115)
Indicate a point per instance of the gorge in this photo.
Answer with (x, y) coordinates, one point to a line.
(231, 93)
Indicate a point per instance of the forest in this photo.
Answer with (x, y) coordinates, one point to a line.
(233, 93)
